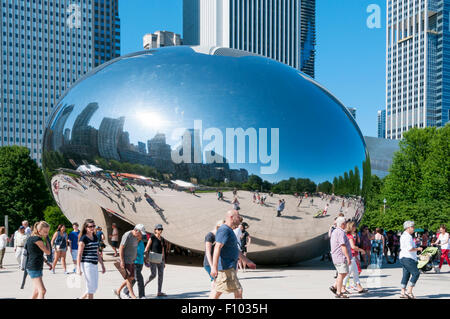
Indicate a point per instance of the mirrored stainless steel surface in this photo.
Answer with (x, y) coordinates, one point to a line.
(177, 137)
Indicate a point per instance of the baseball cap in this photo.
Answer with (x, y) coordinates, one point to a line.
(141, 228)
(408, 224)
(21, 227)
(158, 226)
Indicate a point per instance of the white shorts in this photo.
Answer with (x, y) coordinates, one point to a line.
(90, 272)
(74, 254)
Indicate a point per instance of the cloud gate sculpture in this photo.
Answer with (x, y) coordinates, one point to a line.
(178, 136)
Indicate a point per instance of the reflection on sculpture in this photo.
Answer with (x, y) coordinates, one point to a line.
(179, 137)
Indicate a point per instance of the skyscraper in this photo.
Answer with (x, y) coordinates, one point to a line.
(417, 65)
(46, 45)
(382, 124)
(283, 30)
(161, 39)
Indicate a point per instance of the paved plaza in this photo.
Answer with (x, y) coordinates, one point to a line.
(308, 280)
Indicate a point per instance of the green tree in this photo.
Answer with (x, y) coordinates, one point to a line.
(54, 216)
(23, 191)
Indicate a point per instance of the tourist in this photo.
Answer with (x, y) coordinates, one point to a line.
(235, 203)
(59, 241)
(340, 254)
(36, 248)
(88, 258)
(390, 244)
(366, 245)
(156, 250)
(425, 240)
(443, 242)
(20, 239)
(377, 248)
(325, 210)
(351, 235)
(101, 239)
(225, 258)
(3, 242)
(114, 237)
(138, 266)
(128, 254)
(408, 260)
(73, 244)
(280, 207)
(245, 240)
(210, 240)
(396, 246)
(27, 227)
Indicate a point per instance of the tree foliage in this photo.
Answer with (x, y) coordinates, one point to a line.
(23, 191)
(418, 184)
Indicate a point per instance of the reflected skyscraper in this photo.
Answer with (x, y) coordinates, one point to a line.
(45, 47)
(283, 30)
(109, 134)
(382, 124)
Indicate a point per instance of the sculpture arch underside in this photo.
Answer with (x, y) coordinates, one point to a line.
(298, 235)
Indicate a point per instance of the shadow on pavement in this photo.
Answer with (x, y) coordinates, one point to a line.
(380, 292)
(265, 277)
(185, 295)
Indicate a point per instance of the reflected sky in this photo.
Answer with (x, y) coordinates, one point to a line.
(161, 90)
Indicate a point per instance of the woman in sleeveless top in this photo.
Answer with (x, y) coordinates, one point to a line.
(59, 241)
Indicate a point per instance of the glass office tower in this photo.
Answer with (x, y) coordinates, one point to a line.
(382, 124)
(417, 65)
(46, 45)
(284, 30)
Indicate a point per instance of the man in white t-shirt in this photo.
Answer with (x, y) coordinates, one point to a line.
(408, 260)
(443, 241)
(27, 227)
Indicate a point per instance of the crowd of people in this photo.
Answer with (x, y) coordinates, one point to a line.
(352, 251)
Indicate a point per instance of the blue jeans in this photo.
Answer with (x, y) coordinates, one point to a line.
(409, 270)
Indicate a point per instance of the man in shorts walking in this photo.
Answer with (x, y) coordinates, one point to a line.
(340, 253)
(225, 258)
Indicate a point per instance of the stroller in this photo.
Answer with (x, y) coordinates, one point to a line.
(427, 259)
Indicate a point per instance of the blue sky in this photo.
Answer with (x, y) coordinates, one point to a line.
(350, 59)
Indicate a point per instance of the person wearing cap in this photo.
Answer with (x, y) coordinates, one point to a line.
(340, 253)
(128, 253)
(408, 260)
(157, 245)
(20, 239)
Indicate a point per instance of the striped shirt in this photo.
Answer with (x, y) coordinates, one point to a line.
(90, 251)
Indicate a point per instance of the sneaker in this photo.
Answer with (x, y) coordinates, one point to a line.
(124, 295)
(116, 294)
(437, 270)
(67, 273)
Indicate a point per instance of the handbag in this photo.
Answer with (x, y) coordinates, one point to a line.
(24, 258)
(155, 258)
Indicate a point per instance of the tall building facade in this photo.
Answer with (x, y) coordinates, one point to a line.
(417, 65)
(46, 45)
(283, 30)
(382, 124)
(161, 39)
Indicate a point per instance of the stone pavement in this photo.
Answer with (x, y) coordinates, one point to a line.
(308, 280)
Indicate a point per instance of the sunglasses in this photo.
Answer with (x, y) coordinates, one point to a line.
(92, 226)
(160, 229)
